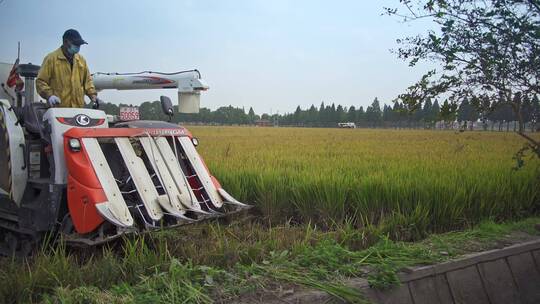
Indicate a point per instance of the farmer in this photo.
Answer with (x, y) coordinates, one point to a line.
(64, 78)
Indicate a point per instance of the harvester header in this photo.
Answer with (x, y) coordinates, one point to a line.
(79, 173)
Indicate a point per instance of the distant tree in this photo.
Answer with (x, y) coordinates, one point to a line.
(482, 112)
(467, 114)
(448, 113)
(361, 116)
(312, 115)
(526, 109)
(205, 116)
(230, 115)
(340, 114)
(463, 111)
(351, 114)
(374, 113)
(297, 116)
(321, 108)
(435, 111)
(323, 114)
(417, 115)
(489, 50)
(497, 114)
(397, 114)
(151, 110)
(472, 116)
(107, 107)
(387, 115)
(251, 115)
(111, 109)
(535, 116)
(426, 112)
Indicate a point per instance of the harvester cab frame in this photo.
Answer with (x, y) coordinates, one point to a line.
(75, 172)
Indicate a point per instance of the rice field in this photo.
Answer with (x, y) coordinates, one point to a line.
(329, 203)
(407, 183)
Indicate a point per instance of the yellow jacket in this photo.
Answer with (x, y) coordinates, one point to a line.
(57, 77)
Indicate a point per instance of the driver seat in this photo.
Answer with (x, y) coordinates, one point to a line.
(33, 117)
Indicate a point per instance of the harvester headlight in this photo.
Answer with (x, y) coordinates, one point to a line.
(195, 141)
(75, 145)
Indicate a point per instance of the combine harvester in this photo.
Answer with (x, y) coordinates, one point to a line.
(81, 174)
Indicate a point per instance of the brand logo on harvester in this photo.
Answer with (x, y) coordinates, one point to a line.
(82, 120)
(164, 132)
(152, 80)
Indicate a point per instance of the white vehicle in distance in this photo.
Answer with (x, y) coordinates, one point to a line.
(347, 125)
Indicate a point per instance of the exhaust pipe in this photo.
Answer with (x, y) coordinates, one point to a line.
(29, 72)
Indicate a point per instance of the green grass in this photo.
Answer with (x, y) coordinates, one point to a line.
(149, 270)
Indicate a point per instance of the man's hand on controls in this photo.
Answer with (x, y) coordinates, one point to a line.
(96, 101)
(53, 100)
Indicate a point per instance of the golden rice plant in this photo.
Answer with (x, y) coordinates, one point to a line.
(407, 182)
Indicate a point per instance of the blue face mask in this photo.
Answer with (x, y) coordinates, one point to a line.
(73, 49)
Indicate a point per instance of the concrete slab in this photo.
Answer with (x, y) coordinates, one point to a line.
(424, 291)
(466, 286)
(526, 276)
(498, 282)
(431, 290)
(536, 255)
(469, 260)
(443, 289)
(399, 294)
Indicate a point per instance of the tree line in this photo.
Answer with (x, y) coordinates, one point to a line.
(398, 115)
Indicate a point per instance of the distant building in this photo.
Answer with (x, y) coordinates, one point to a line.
(263, 123)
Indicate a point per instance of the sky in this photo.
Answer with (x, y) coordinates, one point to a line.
(271, 55)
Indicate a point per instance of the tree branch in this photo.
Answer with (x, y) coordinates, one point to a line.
(535, 4)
